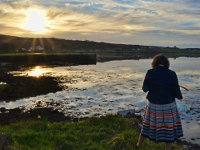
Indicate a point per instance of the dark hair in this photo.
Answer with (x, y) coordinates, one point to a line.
(160, 59)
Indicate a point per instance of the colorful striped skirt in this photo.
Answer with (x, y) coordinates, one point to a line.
(162, 123)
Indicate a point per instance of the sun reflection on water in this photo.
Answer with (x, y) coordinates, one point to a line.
(37, 72)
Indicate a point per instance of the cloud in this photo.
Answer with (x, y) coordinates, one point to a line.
(123, 21)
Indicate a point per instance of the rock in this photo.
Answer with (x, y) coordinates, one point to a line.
(2, 109)
(127, 113)
(15, 111)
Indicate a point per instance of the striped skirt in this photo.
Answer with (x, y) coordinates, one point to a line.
(162, 123)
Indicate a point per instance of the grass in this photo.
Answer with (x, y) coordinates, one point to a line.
(111, 132)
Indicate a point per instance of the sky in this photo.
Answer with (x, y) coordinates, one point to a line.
(137, 22)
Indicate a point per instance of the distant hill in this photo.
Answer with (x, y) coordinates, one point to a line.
(12, 44)
(15, 44)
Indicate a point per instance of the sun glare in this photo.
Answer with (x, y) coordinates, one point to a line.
(36, 21)
(36, 72)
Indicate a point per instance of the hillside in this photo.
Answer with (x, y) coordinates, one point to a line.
(12, 44)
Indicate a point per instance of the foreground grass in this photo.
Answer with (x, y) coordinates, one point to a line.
(110, 132)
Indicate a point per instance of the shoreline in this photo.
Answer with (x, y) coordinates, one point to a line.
(96, 92)
(10, 116)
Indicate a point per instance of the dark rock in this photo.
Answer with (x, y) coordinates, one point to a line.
(2, 109)
(188, 145)
(16, 110)
(22, 86)
(127, 113)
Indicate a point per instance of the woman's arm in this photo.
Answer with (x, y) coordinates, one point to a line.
(177, 90)
(145, 86)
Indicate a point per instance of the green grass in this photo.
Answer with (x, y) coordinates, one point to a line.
(110, 132)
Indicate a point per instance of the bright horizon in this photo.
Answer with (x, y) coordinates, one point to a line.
(138, 22)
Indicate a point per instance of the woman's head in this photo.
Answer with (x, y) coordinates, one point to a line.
(160, 59)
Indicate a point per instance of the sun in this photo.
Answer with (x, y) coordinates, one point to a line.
(36, 21)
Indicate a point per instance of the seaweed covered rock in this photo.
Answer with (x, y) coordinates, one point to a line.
(17, 87)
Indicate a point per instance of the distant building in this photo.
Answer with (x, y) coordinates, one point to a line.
(23, 49)
(37, 48)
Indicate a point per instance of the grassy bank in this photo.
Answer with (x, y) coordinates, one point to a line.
(110, 132)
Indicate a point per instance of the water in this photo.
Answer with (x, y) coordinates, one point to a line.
(94, 90)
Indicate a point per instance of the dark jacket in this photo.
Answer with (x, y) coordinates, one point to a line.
(162, 84)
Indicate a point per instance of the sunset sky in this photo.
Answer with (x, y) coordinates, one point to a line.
(143, 22)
